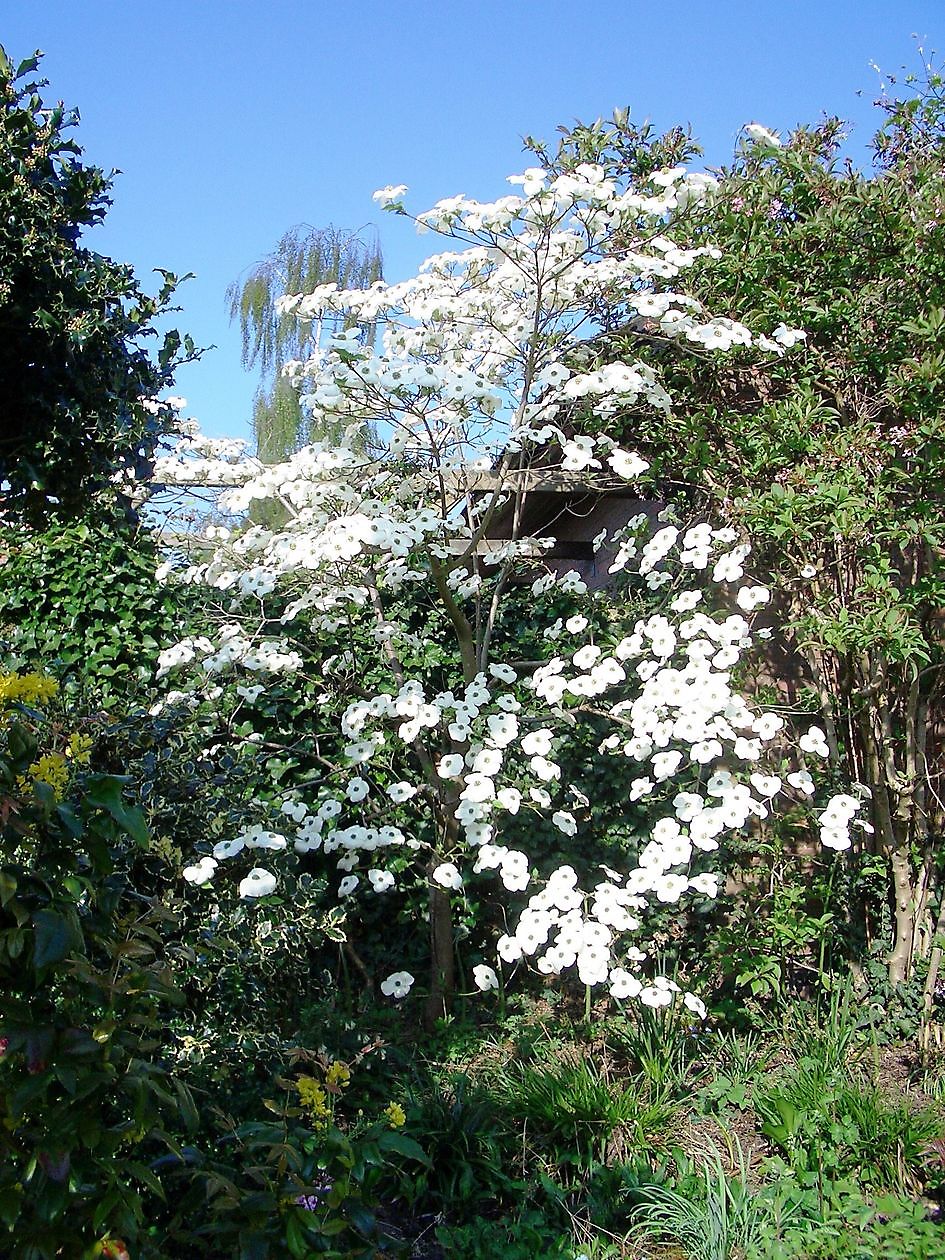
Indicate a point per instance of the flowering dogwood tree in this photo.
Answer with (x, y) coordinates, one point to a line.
(481, 388)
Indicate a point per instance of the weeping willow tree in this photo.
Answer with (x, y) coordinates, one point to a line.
(304, 258)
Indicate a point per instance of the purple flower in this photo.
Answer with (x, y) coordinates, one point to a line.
(312, 1202)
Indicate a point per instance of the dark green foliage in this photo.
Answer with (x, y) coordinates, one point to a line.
(469, 1144)
(76, 377)
(832, 1126)
(252, 981)
(248, 1195)
(785, 923)
(527, 1235)
(84, 1096)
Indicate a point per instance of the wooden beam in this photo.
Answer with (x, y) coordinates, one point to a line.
(546, 481)
(543, 481)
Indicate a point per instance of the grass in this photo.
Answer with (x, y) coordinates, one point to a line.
(722, 1217)
(636, 1138)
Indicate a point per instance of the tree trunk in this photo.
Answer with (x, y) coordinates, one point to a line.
(931, 980)
(900, 959)
(442, 960)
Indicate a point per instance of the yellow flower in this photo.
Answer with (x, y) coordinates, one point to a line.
(396, 1116)
(51, 769)
(338, 1076)
(314, 1100)
(79, 749)
(27, 688)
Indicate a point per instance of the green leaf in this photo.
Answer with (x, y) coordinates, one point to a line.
(335, 1226)
(185, 1102)
(403, 1145)
(295, 1239)
(147, 1178)
(363, 1220)
(54, 936)
(105, 791)
(7, 886)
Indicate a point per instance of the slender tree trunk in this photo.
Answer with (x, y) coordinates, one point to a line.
(883, 720)
(442, 959)
(931, 980)
(900, 958)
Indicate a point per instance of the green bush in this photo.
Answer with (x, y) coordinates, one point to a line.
(85, 1099)
(77, 379)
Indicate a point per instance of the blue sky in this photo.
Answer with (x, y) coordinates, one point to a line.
(232, 121)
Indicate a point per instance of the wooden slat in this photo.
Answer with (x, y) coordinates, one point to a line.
(547, 481)
(535, 479)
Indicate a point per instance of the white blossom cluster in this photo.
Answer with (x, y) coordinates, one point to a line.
(472, 383)
(198, 460)
(666, 688)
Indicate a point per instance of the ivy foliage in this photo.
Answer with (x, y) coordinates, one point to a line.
(83, 595)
